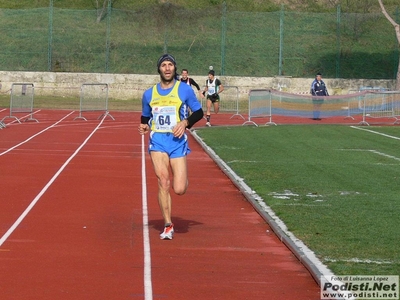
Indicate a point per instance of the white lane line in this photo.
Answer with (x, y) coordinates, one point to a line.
(362, 261)
(35, 135)
(148, 288)
(243, 161)
(41, 193)
(379, 133)
(385, 155)
(373, 151)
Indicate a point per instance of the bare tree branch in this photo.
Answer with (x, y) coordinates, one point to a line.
(397, 29)
(102, 12)
(396, 26)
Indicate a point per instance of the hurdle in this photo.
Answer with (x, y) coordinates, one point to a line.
(21, 101)
(94, 98)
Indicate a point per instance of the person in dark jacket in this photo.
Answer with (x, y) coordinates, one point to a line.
(319, 90)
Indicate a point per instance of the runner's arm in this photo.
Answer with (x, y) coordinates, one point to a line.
(194, 83)
(144, 120)
(194, 117)
(220, 86)
(144, 126)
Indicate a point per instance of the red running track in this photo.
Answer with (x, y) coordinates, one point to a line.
(83, 238)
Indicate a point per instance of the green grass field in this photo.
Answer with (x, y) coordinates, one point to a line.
(337, 188)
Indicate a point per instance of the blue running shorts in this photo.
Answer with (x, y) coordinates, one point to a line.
(168, 143)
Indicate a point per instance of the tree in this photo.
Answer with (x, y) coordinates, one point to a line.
(397, 29)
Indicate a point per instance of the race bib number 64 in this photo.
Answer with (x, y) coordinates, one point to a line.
(165, 118)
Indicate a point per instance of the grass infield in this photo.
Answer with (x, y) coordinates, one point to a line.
(337, 188)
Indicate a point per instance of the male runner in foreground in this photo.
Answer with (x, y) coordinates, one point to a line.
(164, 115)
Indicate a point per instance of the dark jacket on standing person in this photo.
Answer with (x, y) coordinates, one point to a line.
(318, 88)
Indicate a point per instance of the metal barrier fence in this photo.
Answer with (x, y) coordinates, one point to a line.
(358, 108)
(94, 97)
(229, 101)
(263, 105)
(376, 107)
(260, 106)
(21, 101)
(380, 105)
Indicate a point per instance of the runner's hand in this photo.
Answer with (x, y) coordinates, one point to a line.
(143, 128)
(180, 128)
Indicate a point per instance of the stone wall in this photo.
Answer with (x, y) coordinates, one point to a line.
(131, 86)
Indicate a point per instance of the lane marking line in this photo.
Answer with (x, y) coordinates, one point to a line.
(361, 261)
(384, 154)
(41, 193)
(148, 287)
(35, 135)
(383, 134)
(373, 151)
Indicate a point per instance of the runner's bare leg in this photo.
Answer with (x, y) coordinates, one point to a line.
(161, 162)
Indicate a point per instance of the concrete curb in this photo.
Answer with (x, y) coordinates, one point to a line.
(299, 249)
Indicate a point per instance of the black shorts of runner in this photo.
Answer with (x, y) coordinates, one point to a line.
(213, 98)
